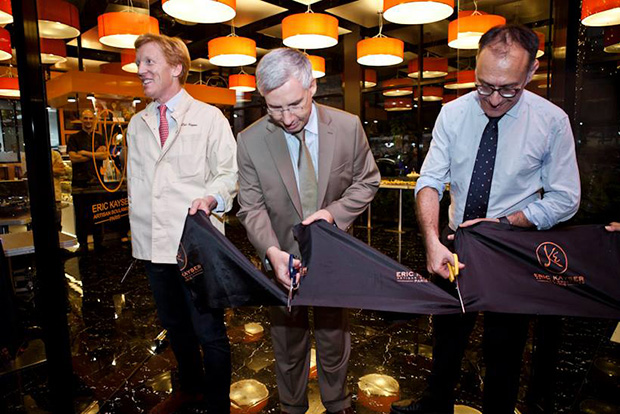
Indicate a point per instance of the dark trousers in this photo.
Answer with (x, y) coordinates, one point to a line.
(188, 331)
(503, 342)
(84, 224)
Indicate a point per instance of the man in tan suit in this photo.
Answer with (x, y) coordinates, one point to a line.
(301, 163)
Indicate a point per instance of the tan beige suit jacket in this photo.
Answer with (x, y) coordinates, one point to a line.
(268, 197)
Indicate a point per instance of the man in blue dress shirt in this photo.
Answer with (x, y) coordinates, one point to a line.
(509, 156)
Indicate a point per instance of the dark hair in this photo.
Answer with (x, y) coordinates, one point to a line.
(508, 33)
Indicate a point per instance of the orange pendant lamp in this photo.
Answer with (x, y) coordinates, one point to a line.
(465, 79)
(310, 31)
(370, 78)
(232, 51)
(121, 29)
(200, 11)
(6, 12)
(58, 19)
(242, 82)
(5, 45)
(398, 87)
(9, 86)
(398, 104)
(541, 44)
(432, 68)
(612, 40)
(53, 51)
(430, 94)
(318, 66)
(600, 13)
(380, 51)
(466, 31)
(417, 11)
(128, 61)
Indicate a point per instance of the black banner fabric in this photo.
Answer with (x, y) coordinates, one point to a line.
(345, 272)
(217, 273)
(572, 271)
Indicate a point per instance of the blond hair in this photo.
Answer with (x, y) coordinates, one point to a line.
(173, 48)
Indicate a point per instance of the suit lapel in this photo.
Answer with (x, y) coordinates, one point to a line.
(149, 118)
(327, 143)
(276, 142)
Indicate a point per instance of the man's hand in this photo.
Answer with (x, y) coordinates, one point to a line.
(613, 226)
(279, 262)
(437, 258)
(472, 222)
(205, 204)
(319, 215)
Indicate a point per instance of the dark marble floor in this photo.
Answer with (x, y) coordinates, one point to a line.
(121, 368)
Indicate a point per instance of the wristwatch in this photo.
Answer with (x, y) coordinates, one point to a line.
(504, 220)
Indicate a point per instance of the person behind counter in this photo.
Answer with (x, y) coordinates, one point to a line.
(509, 156)
(181, 155)
(83, 147)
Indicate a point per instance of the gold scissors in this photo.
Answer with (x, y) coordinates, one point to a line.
(454, 272)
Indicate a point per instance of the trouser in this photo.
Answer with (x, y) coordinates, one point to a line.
(188, 331)
(502, 345)
(290, 335)
(84, 224)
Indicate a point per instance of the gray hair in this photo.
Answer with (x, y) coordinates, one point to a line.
(279, 65)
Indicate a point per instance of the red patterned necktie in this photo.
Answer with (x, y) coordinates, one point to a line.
(163, 125)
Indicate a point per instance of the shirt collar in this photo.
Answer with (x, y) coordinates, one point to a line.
(313, 122)
(174, 101)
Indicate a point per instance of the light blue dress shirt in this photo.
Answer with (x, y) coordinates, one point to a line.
(312, 142)
(172, 130)
(535, 168)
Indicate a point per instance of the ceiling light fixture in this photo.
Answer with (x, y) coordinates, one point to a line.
(232, 50)
(465, 79)
(432, 68)
(71, 99)
(398, 104)
(541, 44)
(121, 29)
(599, 13)
(128, 61)
(398, 87)
(9, 86)
(318, 66)
(465, 32)
(380, 50)
(430, 94)
(136, 101)
(417, 11)
(58, 19)
(242, 82)
(200, 11)
(53, 51)
(6, 13)
(612, 40)
(370, 78)
(310, 30)
(5, 45)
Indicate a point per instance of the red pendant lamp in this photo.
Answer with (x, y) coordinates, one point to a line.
(541, 44)
(466, 31)
(310, 31)
(128, 61)
(612, 40)
(53, 51)
(9, 87)
(380, 51)
(465, 79)
(242, 82)
(201, 11)
(230, 51)
(370, 78)
(318, 66)
(417, 11)
(432, 68)
(600, 13)
(397, 87)
(58, 19)
(5, 45)
(398, 104)
(6, 12)
(121, 29)
(430, 94)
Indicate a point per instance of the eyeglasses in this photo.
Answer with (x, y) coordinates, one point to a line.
(278, 113)
(504, 92)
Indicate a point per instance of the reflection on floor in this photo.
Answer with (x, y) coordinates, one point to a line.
(120, 367)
